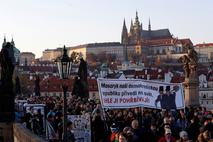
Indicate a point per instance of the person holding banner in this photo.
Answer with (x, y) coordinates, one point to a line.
(161, 98)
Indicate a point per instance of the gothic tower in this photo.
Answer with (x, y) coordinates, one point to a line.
(124, 34)
(135, 31)
(131, 31)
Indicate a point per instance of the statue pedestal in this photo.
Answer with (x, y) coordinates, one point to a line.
(191, 91)
(7, 116)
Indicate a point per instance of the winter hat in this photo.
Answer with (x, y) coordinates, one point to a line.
(183, 133)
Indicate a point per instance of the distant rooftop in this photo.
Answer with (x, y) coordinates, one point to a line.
(59, 48)
(204, 44)
(102, 44)
(155, 34)
(28, 53)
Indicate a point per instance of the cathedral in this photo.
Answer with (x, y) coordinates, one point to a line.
(138, 35)
(151, 44)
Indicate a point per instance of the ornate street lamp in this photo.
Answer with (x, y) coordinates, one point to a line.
(64, 64)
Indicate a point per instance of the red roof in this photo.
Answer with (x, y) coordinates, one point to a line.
(177, 79)
(154, 74)
(158, 42)
(185, 41)
(54, 84)
(204, 44)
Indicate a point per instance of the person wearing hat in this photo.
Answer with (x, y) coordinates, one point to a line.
(170, 95)
(161, 98)
(167, 137)
(183, 137)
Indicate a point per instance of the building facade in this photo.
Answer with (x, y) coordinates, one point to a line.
(26, 58)
(205, 52)
(51, 54)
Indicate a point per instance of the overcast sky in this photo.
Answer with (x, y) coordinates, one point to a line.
(37, 25)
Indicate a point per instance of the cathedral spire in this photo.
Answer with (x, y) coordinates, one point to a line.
(124, 34)
(149, 27)
(137, 23)
(131, 28)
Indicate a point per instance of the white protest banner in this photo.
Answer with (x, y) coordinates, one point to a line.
(127, 93)
(81, 127)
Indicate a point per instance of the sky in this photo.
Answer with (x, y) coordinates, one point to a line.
(36, 25)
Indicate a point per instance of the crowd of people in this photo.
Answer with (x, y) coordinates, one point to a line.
(193, 124)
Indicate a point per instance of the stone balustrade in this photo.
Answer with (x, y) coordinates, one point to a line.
(21, 134)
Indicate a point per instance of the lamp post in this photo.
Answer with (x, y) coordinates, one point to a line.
(64, 64)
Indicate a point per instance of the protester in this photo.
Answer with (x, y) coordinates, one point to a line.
(149, 125)
(50, 132)
(167, 137)
(114, 136)
(70, 133)
(122, 137)
(184, 137)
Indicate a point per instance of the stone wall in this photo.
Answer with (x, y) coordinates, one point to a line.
(6, 132)
(21, 134)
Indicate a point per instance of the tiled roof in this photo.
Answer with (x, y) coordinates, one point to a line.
(104, 44)
(154, 74)
(156, 34)
(54, 84)
(177, 79)
(158, 42)
(185, 41)
(204, 44)
(34, 69)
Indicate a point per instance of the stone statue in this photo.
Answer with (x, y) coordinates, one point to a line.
(190, 62)
(80, 84)
(7, 66)
(6, 83)
(37, 86)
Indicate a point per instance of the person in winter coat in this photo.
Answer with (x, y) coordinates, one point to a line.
(167, 137)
